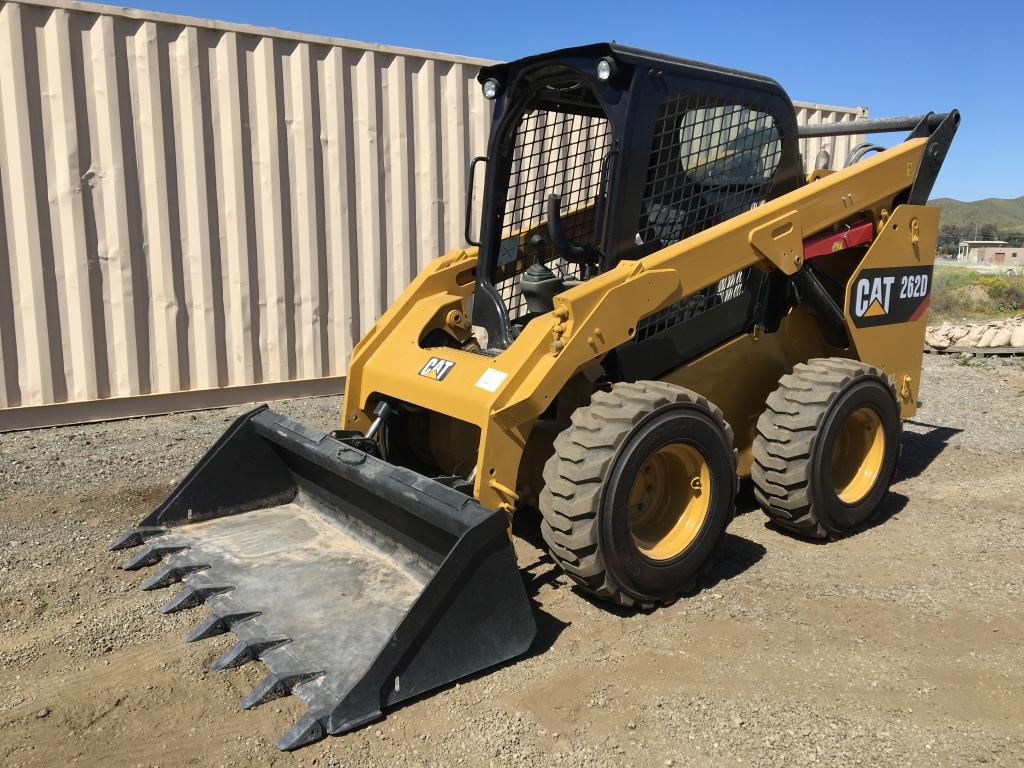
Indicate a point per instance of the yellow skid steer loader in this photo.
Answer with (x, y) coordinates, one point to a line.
(659, 302)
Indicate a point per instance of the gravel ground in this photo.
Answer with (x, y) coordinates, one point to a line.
(901, 645)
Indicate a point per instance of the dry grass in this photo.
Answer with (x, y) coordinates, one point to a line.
(962, 293)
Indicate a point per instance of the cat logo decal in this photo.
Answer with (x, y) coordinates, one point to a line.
(895, 295)
(436, 368)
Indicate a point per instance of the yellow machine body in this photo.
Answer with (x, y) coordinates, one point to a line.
(504, 395)
(662, 303)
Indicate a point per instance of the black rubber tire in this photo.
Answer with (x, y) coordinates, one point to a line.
(792, 451)
(588, 479)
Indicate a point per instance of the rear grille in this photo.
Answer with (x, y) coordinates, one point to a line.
(726, 289)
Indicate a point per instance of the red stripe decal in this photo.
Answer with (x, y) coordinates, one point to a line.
(921, 308)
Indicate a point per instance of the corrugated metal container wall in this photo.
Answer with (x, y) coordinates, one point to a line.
(197, 213)
(838, 147)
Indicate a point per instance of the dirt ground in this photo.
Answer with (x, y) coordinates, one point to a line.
(899, 646)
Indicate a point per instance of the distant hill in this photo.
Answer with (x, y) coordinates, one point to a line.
(1007, 216)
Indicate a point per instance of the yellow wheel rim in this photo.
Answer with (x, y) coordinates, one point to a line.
(669, 501)
(857, 455)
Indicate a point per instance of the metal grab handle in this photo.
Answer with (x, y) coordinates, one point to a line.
(469, 199)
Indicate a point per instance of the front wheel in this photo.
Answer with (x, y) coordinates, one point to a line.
(639, 491)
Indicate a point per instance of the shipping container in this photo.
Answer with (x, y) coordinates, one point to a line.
(197, 213)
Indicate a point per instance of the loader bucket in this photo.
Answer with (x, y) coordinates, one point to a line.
(357, 583)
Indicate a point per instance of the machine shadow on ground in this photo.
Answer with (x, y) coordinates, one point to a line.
(918, 451)
(536, 575)
(891, 505)
(733, 556)
(921, 449)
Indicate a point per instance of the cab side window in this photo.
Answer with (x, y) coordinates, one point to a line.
(709, 162)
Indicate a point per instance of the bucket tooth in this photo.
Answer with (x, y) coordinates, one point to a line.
(170, 574)
(214, 625)
(244, 651)
(151, 555)
(306, 730)
(190, 597)
(133, 537)
(275, 687)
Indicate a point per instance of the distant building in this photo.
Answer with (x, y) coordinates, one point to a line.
(993, 252)
(967, 250)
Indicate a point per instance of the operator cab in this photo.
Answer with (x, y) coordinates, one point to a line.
(602, 153)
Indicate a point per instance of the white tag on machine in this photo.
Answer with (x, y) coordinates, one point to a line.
(491, 379)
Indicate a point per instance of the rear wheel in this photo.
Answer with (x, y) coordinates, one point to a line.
(639, 491)
(826, 447)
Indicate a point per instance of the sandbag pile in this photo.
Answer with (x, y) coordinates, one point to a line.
(998, 333)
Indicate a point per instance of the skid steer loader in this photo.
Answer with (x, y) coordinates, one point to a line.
(659, 302)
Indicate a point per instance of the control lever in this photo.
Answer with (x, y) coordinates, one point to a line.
(538, 246)
(538, 283)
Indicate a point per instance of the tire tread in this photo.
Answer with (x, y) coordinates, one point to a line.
(575, 474)
(784, 442)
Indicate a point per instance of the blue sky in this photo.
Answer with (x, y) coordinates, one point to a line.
(895, 57)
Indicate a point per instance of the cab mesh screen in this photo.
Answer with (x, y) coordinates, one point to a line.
(553, 153)
(709, 162)
(726, 289)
